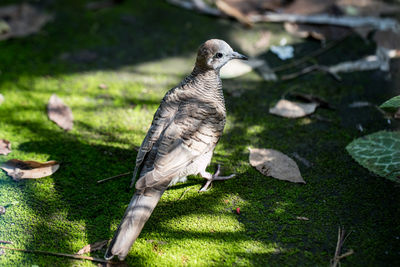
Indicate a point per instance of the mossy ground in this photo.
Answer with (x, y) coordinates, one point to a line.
(142, 49)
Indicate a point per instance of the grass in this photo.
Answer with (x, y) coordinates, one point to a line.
(142, 49)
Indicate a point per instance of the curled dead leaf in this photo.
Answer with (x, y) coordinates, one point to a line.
(289, 109)
(19, 169)
(312, 99)
(5, 147)
(60, 113)
(236, 68)
(274, 163)
(92, 247)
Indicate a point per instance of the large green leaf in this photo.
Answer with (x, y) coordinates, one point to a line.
(378, 152)
(393, 103)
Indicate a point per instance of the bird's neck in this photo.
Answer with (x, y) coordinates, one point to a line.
(208, 83)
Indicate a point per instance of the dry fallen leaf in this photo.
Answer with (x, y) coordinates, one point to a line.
(318, 32)
(236, 68)
(2, 210)
(22, 20)
(60, 113)
(19, 169)
(312, 99)
(273, 163)
(233, 11)
(92, 247)
(308, 7)
(5, 147)
(289, 109)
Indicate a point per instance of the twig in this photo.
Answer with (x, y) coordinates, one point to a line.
(346, 21)
(184, 193)
(341, 239)
(307, 57)
(310, 69)
(5, 242)
(60, 254)
(112, 177)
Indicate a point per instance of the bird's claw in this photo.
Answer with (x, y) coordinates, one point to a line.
(215, 177)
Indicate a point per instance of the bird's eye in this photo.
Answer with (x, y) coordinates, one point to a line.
(218, 55)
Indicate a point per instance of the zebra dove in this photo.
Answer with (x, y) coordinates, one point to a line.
(180, 142)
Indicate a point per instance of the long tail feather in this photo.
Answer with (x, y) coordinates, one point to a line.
(136, 215)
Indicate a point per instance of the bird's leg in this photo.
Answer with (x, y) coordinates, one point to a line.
(213, 177)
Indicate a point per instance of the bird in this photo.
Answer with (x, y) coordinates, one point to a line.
(180, 141)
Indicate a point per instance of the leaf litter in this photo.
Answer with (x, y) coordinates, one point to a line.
(290, 109)
(60, 113)
(19, 169)
(92, 247)
(5, 147)
(274, 163)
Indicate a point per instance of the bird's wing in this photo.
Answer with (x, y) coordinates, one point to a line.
(163, 116)
(194, 131)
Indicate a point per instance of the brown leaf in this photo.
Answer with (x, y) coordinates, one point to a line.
(5, 147)
(60, 113)
(289, 109)
(19, 169)
(236, 68)
(92, 247)
(308, 7)
(312, 99)
(22, 20)
(2, 210)
(318, 32)
(233, 11)
(273, 163)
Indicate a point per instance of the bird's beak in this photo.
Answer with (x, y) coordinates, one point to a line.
(238, 56)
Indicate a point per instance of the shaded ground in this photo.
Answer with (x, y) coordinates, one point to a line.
(140, 50)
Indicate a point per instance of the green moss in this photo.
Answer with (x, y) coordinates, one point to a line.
(142, 49)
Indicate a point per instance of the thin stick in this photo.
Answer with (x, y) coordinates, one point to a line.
(112, 177)
(345, 21)
(310, 69)
(5, 242)
(341, 239)
(184, 193)
(307, 57)
(60, 254)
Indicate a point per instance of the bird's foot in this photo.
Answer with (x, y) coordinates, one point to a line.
(213, 177)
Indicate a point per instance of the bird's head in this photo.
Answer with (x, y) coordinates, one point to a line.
(215, 53)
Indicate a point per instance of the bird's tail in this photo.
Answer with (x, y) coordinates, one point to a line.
(136, 215)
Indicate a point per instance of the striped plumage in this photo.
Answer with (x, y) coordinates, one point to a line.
(180, 142)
